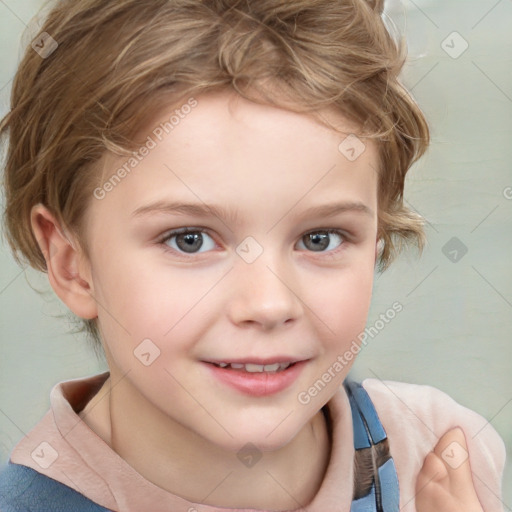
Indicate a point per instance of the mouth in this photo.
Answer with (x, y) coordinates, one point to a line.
(254, 367)
(257, 378)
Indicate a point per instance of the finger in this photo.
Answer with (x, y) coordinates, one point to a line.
(453, 451)
(433, 470)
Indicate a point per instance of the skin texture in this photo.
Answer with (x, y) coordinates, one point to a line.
(446, 487)
(176, 424)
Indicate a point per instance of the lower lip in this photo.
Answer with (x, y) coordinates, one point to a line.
(258, 383)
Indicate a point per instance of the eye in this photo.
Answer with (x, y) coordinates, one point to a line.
(322, 240)
(191, 240)
(188, 240)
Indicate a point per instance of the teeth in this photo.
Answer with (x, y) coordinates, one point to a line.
(253, 368)
(256, 368)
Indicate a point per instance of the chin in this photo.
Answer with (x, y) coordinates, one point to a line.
(266, 436)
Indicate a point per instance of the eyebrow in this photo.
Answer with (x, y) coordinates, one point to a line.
(228, 214)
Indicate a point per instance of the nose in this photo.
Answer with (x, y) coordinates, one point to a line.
(263, 294)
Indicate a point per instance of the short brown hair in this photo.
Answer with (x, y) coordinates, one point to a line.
(119, 61)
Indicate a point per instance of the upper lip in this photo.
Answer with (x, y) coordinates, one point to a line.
(256, 360)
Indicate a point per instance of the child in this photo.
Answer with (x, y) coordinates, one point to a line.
(275, 136)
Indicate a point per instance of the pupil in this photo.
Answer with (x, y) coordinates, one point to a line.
(192, 241)
(319, 240)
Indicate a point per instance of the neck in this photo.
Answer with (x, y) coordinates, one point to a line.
(178, 460)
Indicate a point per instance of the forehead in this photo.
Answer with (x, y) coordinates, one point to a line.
(226, 149)
(228, 116)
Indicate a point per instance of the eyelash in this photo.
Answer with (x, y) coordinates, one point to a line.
(331, 231)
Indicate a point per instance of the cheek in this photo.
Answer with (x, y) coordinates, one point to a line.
(142, 302)
(343, 305)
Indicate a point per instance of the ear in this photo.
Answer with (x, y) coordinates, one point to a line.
(378, 247)
(68, 270)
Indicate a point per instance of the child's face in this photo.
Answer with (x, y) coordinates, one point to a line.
(251, 289)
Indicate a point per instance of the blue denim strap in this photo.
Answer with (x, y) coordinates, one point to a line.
(23, 488)
(383, 494)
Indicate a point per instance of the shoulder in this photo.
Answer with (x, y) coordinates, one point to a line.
(416, 402)
(416, 416)
(23, 489)
(430, 410)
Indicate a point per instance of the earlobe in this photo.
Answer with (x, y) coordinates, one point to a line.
(378, 248)
(68, 272)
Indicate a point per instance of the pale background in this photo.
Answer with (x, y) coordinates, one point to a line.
(455, 330)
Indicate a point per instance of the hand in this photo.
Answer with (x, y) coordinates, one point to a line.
(444, 483)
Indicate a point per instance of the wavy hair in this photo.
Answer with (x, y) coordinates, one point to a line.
(119, 61)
